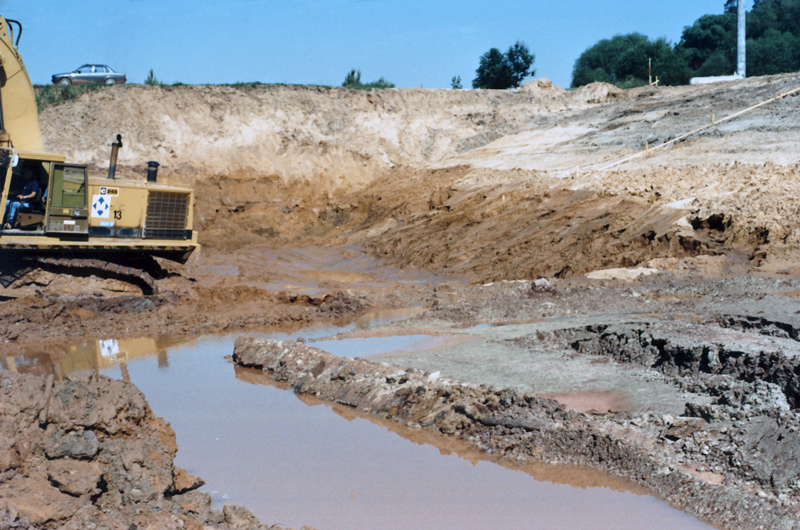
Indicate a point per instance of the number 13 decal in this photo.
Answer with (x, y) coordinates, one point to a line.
(117, 214)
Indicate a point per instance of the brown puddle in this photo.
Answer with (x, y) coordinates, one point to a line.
(594, 402)
(294, 463)
(307, 269)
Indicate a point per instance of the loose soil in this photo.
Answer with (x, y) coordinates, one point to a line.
(670, 279)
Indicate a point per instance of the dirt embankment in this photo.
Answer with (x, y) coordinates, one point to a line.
(409, 173)
(484, 185)
(334, 138)
(89, 453)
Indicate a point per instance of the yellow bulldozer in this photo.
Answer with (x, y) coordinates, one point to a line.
(73, 220)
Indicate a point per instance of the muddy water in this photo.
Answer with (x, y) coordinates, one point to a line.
(307, 270)
(298, 462)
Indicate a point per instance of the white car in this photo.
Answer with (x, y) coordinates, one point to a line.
(91, 73)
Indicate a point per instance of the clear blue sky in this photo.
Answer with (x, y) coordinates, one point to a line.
(413, 43)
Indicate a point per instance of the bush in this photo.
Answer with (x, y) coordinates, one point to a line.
(152, 80)
(353, 80)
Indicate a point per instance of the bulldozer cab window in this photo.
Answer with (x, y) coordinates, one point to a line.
(36, 171)
(69, 187)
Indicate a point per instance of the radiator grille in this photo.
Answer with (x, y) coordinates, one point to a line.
(166, 215)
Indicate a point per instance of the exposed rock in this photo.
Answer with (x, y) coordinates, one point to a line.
(11, 519)
(88, 452)
(75, 477)
(75, 445)
(683, 427)
(771, 453)
(184, 482)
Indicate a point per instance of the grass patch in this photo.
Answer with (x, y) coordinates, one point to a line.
(48, 95)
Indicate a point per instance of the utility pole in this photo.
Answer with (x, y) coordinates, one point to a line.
(741, 63)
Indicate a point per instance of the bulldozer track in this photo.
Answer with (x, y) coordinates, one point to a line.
(101, 265)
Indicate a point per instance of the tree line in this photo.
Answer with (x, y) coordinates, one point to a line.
(706, 48)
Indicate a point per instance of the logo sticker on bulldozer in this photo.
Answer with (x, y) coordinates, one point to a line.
(101, 206)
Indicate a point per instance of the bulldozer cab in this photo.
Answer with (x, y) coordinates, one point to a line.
(60, 206)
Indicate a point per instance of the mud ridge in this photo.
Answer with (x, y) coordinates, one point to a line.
(513, 425)
(762, 325)
(672, 356)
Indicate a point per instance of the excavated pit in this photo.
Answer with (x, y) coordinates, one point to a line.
(673, 275)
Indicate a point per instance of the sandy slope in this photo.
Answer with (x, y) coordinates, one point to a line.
(410, 172)
(331, 136)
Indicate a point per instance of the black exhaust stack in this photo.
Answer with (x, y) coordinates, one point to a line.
(152, 171)
(112, 166)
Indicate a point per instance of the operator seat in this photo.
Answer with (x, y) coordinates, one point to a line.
(33, 216)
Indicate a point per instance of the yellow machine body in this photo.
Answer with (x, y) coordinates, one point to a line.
(78, 213)
(19, 115)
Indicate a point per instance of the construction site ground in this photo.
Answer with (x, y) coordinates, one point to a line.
(614, 293)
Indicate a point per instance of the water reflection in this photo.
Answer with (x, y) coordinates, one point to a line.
(89, 355)
(54, 357)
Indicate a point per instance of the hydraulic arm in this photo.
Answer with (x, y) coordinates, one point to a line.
(18, 115)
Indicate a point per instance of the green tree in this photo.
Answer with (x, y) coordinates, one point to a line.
(773, 30)
(455, 83)
(624, 61)
(707, 48)
(497, 70)
(775, 52)
(718, 63)
(781, 15)
(711, 35)
(520, 59)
